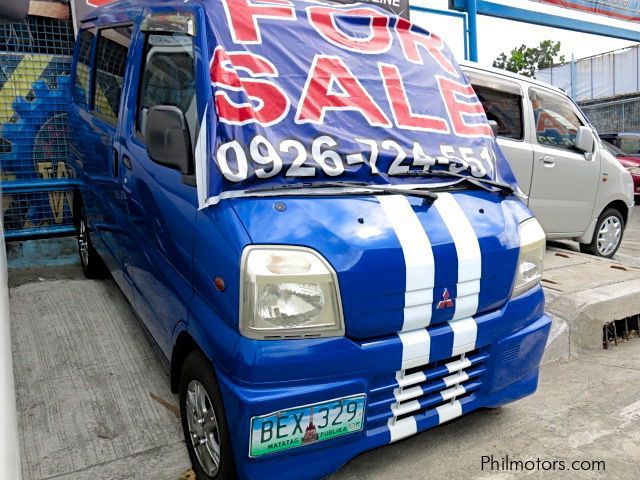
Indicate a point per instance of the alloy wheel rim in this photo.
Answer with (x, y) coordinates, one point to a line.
(203, 428)
(609, 235)
(83, 244)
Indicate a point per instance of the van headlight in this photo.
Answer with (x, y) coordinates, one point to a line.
(288, 292)
(531, 260)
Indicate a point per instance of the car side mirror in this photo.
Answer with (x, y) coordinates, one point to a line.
(14, 11)
(494, 127)
(584, 139)
(167, 138)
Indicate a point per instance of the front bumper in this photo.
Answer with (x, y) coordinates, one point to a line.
(502, 366)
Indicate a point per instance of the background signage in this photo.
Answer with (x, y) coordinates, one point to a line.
(621, 9)
(399, 7)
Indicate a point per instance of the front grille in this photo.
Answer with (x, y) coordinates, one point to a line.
(421, 391)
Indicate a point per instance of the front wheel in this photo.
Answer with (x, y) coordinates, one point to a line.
(607, 235)
(203, 420)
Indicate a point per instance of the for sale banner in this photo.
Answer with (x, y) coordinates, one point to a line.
(621, 9)
(305, 92)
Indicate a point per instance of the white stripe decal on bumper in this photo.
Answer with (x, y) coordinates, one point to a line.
(418, 259)
(400, 429)
(416, 347)
(449, 411)
(464, 335)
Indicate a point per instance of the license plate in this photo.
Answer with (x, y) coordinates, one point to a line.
(300, 426)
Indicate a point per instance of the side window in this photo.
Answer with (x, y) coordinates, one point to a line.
(83, 67)
(555, 120)
(111, 60)
(504, 108)
(168, 78)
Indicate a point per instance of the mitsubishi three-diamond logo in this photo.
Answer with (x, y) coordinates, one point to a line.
(446, 301)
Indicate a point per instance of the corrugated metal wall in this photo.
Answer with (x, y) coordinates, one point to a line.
(601, 76)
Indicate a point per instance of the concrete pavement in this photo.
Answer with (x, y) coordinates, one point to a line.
(89, 386)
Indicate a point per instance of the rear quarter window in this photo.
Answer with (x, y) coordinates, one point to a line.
(111, 61)
(80, 91)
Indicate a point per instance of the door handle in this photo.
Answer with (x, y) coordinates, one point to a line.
(126, 162)
(548, 161)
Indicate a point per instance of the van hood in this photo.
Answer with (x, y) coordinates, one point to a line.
(401, 263)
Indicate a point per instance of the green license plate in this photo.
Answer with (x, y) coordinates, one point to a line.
(300, 426)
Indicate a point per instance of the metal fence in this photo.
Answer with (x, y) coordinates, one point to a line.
(620, 115)
(37, 185)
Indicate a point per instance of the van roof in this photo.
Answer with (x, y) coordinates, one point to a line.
(511, 75)
(115, 6)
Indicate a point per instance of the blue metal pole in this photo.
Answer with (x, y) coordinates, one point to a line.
(472, 14)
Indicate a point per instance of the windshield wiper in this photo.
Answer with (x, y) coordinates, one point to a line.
(426, 194)
(483, 183)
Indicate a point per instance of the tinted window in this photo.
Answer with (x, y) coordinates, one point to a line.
(111, 59)
(168, 77)
(555, 120)
(81, 86)
(505, 109)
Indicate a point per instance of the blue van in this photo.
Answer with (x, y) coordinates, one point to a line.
(305, 206)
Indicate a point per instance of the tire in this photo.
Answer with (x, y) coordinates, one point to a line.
(199, 392)
(607, 235)
(92, 264)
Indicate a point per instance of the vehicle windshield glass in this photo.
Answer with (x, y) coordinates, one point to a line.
(310, 93)
(613, 150)
(630, 145)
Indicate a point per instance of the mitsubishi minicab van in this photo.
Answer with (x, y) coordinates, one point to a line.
(305, 206)
(575, 187)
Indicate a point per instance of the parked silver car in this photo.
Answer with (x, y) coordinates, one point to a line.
(574, 186)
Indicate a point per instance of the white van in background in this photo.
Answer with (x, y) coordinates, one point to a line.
(575, 187)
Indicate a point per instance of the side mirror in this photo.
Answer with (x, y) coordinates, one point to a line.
(14, 10)
(494, 127)
(167, 137)
(585, 139)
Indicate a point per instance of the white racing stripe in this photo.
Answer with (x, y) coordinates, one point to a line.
(420, 279)
(418, 259)
(469, 272)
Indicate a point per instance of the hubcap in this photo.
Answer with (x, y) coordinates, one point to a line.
(609, 235)
(83, 244)
(203, 428)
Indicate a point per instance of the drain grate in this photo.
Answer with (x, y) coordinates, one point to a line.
(620, 330)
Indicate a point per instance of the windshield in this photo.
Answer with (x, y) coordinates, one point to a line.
(308, 92)
(630, 145)
(613, 150)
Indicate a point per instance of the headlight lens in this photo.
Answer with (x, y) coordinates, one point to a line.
(531, 261)
(633, 170)
(288, 292)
